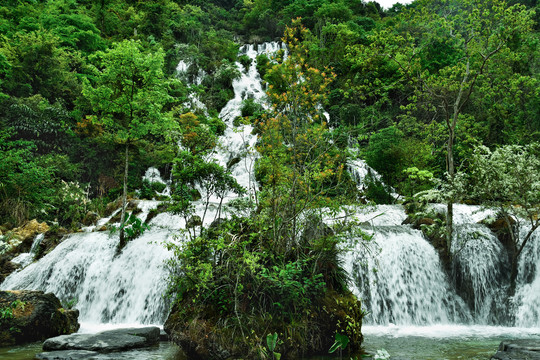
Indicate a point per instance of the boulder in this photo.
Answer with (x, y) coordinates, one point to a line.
(518, 350)
(68, 355)
(6, 266)
(106, 341)
(233, 161)
(28, 316)
(152, 214)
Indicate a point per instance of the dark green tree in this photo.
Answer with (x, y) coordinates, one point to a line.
(128, 92)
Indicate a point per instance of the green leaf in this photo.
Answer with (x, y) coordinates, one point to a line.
(271, 341)
(341, 342)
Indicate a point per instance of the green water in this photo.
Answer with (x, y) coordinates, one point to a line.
(402, 343)
(451, 342)
(421, 348)
(163, 351)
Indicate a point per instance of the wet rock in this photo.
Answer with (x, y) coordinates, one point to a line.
(518, 350)
(51, 240)
(106, 341)
(193, 221)
(7, 267)
(154, 212)
(67, 355)
(424, 221)
(33, 315)
(133, 205)
(113, 206)
(408, 220)
(163, 336)
(232, 162)
(150, 333)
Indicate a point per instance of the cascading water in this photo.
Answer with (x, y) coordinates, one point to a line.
(238, 142)
(399, 277)
(527, 298)
(478, 268)
(84, 268)
(25, 259)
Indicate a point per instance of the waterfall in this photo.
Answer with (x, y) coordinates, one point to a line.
(128, 288)
(398, 276)
(403, 282)
(527, 298)
(25, 259)
(478, 269)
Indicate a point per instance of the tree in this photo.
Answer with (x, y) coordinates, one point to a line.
(449, 51)
(194, 170)
(128, 91)
(300, 168)
(506, 179)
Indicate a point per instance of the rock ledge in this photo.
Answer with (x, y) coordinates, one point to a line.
(95, 346)
(518, 350)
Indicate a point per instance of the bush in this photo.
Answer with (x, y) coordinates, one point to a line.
(251, 108)
(234, 275)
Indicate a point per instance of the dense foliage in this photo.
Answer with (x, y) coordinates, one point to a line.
(397, 78)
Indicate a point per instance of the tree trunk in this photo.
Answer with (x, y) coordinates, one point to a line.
(450, 204)
(124, 201)
(513, 276)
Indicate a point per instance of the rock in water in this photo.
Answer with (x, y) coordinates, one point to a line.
(518, 350)
(28, 316)
(68, 355)
(106, 341)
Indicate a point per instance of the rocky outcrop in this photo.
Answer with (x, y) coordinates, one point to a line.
(27, 316)
(29, 230)
(204, 336)
(518, 350)
(90, 218)
(6, 266)
(106, 341)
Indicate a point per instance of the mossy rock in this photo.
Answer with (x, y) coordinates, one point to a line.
(28, 316)
(154, 212)
(204, 333)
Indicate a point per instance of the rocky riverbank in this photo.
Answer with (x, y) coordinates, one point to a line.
(27, 316)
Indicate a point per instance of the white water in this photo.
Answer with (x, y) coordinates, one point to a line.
(25, 259)
(401, 282)
(107, 289)
(478, 262)
(129, 288)
(239, 142)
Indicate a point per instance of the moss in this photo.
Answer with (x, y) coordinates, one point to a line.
(204, 333)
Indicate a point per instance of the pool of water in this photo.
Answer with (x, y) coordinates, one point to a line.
(163, 351)
(442, 342)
